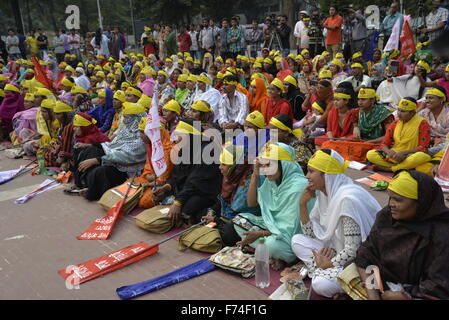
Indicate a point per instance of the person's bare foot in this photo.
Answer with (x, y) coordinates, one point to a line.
(277, 264)
(382, 168)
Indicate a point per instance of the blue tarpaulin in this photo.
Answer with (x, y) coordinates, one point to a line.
(185, 273)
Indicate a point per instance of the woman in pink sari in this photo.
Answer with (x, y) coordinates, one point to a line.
(24, 122)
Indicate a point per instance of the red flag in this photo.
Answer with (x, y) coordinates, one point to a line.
(41, 75)
(407, 42)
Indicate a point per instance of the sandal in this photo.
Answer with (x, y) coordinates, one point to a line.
(72, 192)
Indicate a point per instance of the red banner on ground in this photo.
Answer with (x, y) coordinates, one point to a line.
(98, 267)
(407, 42)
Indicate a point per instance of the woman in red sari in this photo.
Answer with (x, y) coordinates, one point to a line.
(275, 103)
(340, 120)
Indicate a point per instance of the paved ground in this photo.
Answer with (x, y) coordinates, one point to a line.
(38, 238)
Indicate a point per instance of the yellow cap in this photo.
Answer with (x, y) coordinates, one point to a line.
(325, 74)
(425, 65)
(125, 85)
(192, 78)
(299, 57)
(326, 163)
(62, 107)
(43, 92)
(134, 91)
(143, 123)
(133, 108)
(407, 105)
(69, 68)
(145, 101)
(278, 83)
(257, 65)
(337, 62)
(120, 96)
(66, 82)
(278, 124)
(183, 77)
(220, 75)
(98, 68)
(325, 54)
(268, 61)
(231, 155)
(256, 118)
(11, 87)
(273, 151)
(367, 93)
(100, 74)
(184, 127)
(102, 93)
(204, 78)
(219, 58)
(78, 89)
(436, 92)
(79, 121)
(339, 55)
(356, 65)
(189, 59)
(356, 55)
(48, 103)
(303, 52)
(174, 106)
(29, 97)
(201, 106)
(404, 185)
(163, 73)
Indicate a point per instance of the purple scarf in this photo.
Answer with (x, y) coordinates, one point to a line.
(12, 103)
(147, 86)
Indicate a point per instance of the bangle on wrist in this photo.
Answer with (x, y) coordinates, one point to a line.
(177, 203)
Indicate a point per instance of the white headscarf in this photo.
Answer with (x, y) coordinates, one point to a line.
(344, 198)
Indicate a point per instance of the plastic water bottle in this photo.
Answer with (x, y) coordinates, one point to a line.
(262, 265)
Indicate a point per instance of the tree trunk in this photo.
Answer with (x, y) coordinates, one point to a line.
(15, 6)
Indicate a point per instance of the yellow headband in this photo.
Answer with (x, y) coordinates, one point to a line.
(120, 96)
(356, 55)
(278, 83)
(125, 85)
(184, 127)
(234, 83)
(367, 93)
(48, 104)
(230, 154)
(342, 95)
(325, 74)
(204, 78)
(69, 68)
(10, 87)
(80, 121)
(201, 106)
(324, 162)
(134, 91)
(62, 107)
(278, 124)
(174, 106)
(436, 92)
(192, 78)
(356, 65)
(425, 65)
(29, 97)
(303, 52)
(339, 55)
(275, 152)
(291, 80)
(298, 133)
(143, 123)
(316, 106)
(145, 101)
(404, 185)
(407, 105)
(78, 89)
(337, 62)
(163, 73)
(256, 118)
(133, 108)
(66, 82)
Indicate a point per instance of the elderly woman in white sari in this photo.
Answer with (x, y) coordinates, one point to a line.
(338, 223)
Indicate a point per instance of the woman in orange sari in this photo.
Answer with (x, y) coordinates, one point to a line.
(257, 96)
(148, 200)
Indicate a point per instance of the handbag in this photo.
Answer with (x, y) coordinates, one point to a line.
(201, 238)
(156, 220)
(114, 195)
(233, 259)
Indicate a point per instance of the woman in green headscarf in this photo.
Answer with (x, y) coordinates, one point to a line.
(278, 198)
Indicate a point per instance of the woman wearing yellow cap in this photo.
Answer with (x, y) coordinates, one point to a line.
(148, 177)
(340, 220)
(338, 75)
(276, 104)
(276, 185)
(60, 152)
(104, 112)
(194, 184)
(201, 111)
(101, 167)
(406, 141)
(408, 242)
(281, 129)
(207, 93)
(171, 113)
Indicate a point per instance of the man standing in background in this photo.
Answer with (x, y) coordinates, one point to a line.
(333, 24)
(42, 42)
(298, 28)
(184, 40)
(75, 44)
(386, 26)
(435, 21)
(207, 38)
(12, 44)
(254, 38)
(223, 39)
(284, 32)
(359, 31)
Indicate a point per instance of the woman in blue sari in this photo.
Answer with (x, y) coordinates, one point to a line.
(104, 112)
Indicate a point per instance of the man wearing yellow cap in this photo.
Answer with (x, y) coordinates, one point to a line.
(406, 141)
(233, 106)
(117, 123)
(358, 79)
(171, 112)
